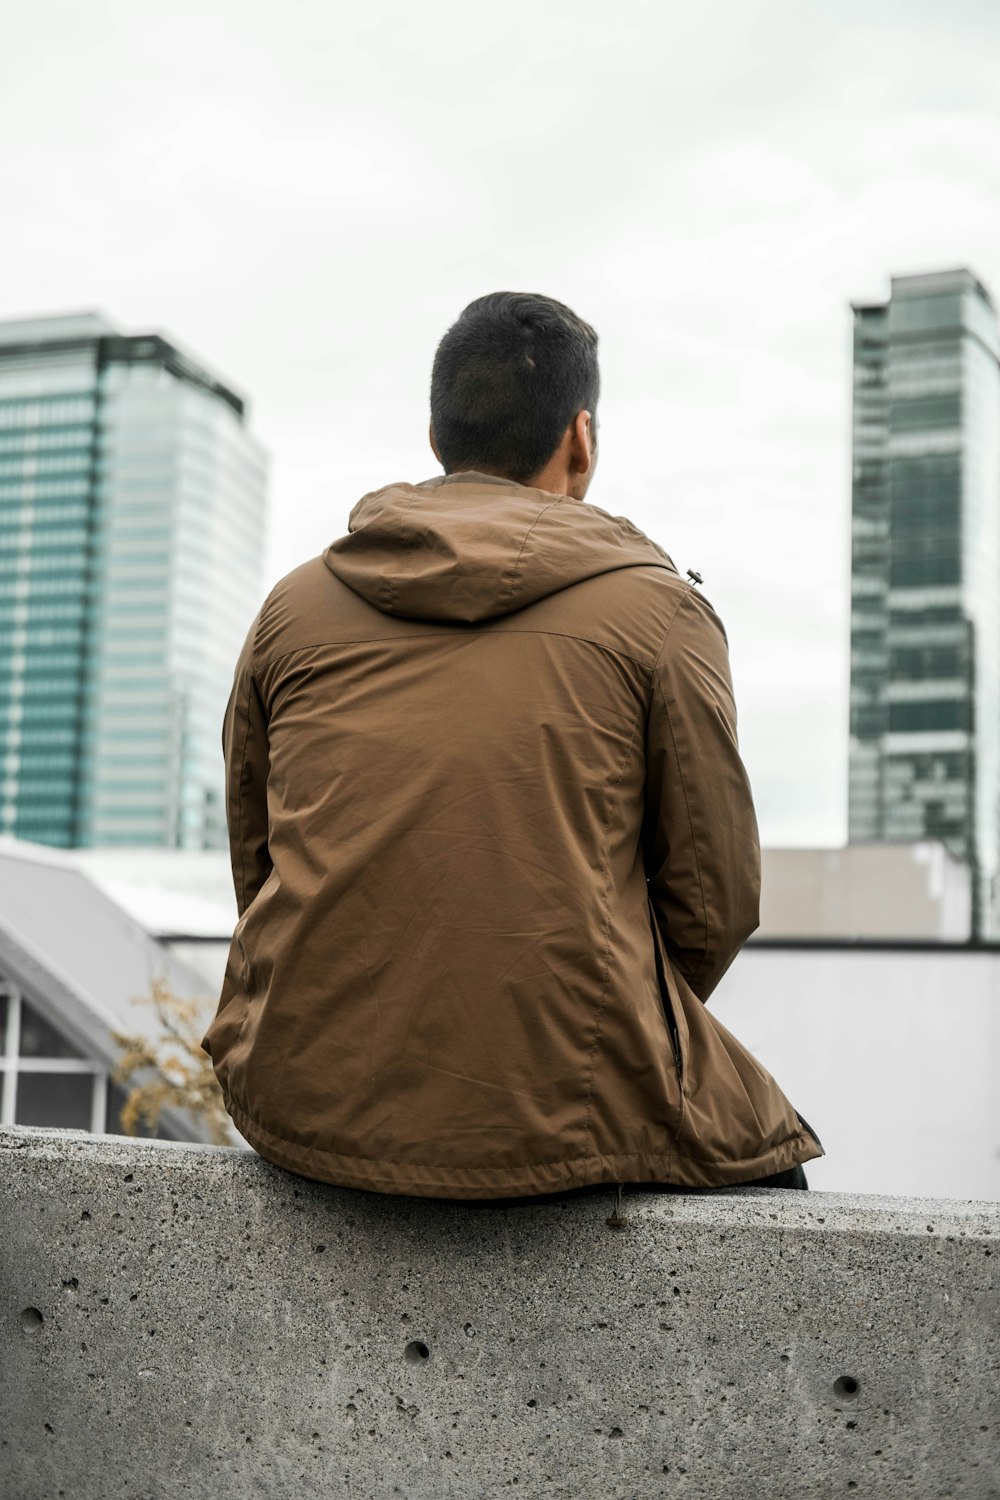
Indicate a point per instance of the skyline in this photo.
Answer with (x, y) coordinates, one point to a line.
(301, 212)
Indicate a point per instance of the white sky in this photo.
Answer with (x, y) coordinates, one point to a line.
(305, 196)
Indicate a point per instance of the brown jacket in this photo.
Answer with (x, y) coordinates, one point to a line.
(493, 847)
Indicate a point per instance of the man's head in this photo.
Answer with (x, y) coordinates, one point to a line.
(514, 392)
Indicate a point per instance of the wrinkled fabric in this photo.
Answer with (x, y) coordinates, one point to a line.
(493, 847)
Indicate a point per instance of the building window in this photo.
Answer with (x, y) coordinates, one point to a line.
(47, 1080)
(59, 1100)
(38, 1039)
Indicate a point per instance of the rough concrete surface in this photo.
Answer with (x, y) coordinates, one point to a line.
(186, 1321)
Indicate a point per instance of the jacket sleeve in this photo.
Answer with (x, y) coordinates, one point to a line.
(244, 747)
(700, 840)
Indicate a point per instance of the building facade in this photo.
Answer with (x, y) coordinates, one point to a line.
(925, 575)
(132, 514)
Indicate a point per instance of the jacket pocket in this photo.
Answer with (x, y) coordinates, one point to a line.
(246, 972)
(670, 1012)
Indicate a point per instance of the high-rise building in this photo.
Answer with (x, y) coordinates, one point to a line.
(925, 574)
(132, 510)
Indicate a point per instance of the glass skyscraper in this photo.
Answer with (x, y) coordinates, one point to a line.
(925, 574)
(132, 510)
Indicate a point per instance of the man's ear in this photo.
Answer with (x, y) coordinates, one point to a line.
(434, 450)
(584, 442)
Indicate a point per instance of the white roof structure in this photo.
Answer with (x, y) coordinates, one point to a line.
(80, 957)
(173, 893)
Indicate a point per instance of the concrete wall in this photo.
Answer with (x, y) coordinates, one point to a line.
(183, 1321)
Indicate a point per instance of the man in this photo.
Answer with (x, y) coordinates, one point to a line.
(492, 841)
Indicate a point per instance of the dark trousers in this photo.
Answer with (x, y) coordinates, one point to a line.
(794, 1177)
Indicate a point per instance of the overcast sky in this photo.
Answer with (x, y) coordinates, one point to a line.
(305, 195)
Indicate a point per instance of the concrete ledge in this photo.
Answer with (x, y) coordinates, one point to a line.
(184, 1321)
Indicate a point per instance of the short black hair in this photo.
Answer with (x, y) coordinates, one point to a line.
(509, 376)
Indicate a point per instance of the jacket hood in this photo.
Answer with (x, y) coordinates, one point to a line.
(474, 546)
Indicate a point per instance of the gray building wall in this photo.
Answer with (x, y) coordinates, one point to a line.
(871, 891)
(890, 1051)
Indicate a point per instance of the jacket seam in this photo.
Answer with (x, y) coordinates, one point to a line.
(455, 1170)
(721, 1161)
(652, 667)
(602, 1004)
(517, 563)
(239, 811)
(692, 978)
(252, 684)
(417, 635)
(391, 1161)
(390, 577)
